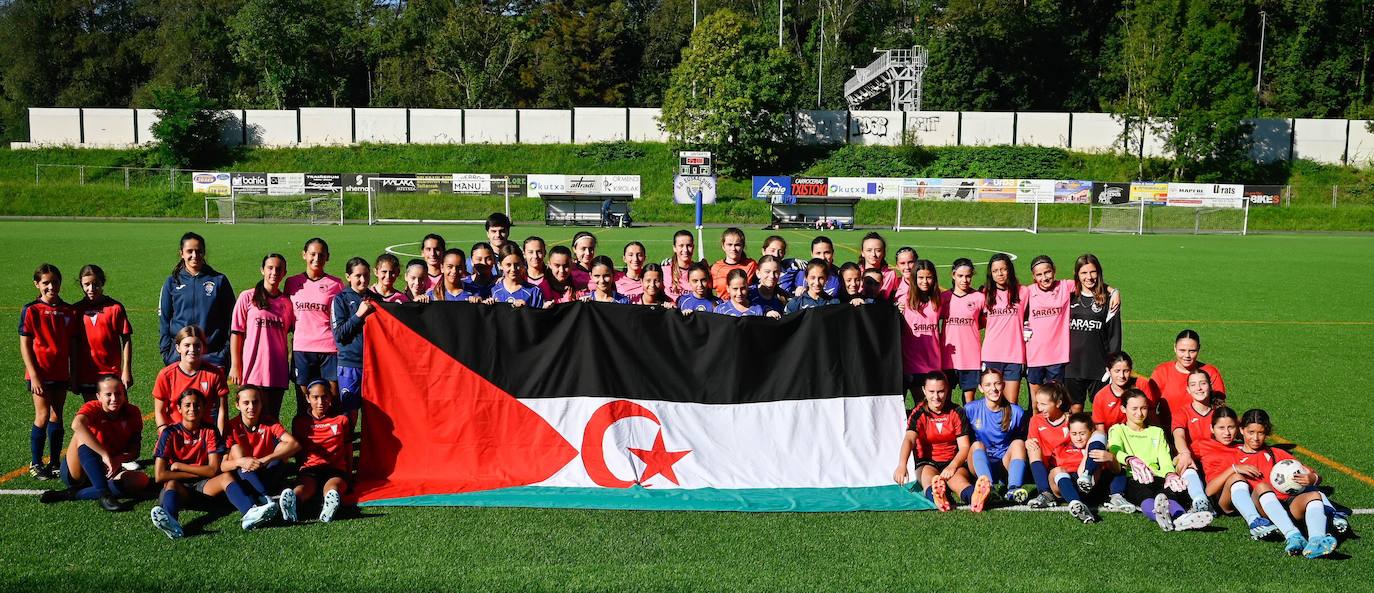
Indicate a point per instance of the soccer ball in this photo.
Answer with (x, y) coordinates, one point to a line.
(1283, 474)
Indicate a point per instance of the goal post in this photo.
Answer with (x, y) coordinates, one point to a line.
(433, 198)
(319, 206)
(1117, 218)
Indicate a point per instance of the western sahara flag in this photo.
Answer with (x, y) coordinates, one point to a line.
(592, 405)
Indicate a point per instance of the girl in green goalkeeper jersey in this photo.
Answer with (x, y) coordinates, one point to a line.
(1153, 484)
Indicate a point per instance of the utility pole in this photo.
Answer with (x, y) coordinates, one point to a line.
(1259, 76)
(820, 60)
(779, 23)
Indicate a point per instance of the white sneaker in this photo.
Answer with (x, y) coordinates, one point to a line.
(287, 501)
(1165, 522)
(330, 506)
(258, 515)
(164, 521)
(1081, 512)
(1117, 503)
(1084, 482)
(1193, 520)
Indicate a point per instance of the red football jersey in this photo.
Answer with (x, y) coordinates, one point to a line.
(1173, 385)
(1108, 409)
(258, 441)
(937, 435)
(52, 328)
(171, 381)
(1197, 427)
(324, 441)
(178, 445)
(117, 433)
(1213, 456)
(106, 326)
(1050, 436)
(1068, 457)
(1264, 460)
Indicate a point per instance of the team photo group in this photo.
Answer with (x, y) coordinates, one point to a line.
(1089, 432)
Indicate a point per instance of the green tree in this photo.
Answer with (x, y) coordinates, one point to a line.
(582, 54)
(301, 51)
(188, 129)
(189, 46)
(733, 94)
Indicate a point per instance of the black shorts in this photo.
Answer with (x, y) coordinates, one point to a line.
(50, 388)
(938, 465)
(1080, 390)
(324, 473)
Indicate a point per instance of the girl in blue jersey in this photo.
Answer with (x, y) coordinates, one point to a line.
(817, 275)
(513, 288)
(451, 286)
(195, 294)
(601, 283)
(738, 305)
(700, 298)
(767, 294)
(999, 446)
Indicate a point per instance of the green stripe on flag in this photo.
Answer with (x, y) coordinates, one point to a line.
(754, 500)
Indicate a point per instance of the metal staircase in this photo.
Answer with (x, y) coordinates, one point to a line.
(899, 72)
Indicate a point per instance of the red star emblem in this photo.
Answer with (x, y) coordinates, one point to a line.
(659, 460)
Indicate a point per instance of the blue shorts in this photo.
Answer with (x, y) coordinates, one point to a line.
(309, 367)
(350, 388)
(967, 380)
(1047, 374)
(1011, 371)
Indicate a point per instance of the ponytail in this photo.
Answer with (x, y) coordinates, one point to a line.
(261, 299)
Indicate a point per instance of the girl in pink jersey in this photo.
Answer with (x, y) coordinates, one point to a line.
(1004, 344)
(630, 282)
(1047, 320)
(432, 249)
(314, 355)
(584, 251)
(257, 340)
(961, 315)
(906, 258)
(534, 260)
(920, 324)
(651, 288)
(557, 284)
(873, 256)
(387, 269)
(677, 268)
(601, 283)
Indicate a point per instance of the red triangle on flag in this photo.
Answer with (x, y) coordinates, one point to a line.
(431, 425)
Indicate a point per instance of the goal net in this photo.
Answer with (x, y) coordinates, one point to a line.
(1215, 217)
(1117, 218)
(971, 205)
(323, 206)
(438, 199)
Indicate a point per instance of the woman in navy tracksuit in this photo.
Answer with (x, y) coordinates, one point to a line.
(348, 313)
(195, 294)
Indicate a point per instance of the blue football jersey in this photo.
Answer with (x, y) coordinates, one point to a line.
(773, 304)
(728, 308)
(527, 292)
(689, 302)
(987, 426)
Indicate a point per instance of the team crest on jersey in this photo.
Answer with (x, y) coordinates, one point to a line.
(205, 387)
(209, 288)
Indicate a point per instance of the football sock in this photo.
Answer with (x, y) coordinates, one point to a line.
(55, 433)
(1016, 473)
(238, 497)
(1245, 505)
(1147, 508)
(1330, 508)
(1277, 514)
(1175, 509)
(966, 494)
(255, 482)
(170, 504)
(1316, 520)
(1042, 476)
(36, 437)
(1094, 445)
(1196, 489)
(980, 462)
(94, 468)
(1119, 484)
(1066, 487)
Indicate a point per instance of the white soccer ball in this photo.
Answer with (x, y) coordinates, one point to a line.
(1283, 476)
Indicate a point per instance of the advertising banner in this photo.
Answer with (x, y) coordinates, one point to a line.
(772, 188)
(249, 183)
(356, 182)
(1264, 195)
(885, 188)
(1111, 193)
(210, 182)
(1072, 192)
(285, 184)
(620, 184)
(433, 183)
(1149, 191)
(583, 184)
(546, 184)
(1211, 195)
(996, 190)
(1029, 191)
(323, 183)
(393, 183)
(686, 188)
(810, 186)
(471, 183)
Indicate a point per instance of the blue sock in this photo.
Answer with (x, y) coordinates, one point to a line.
(170, 503)
(1088, 464)
(94, 467)
(980, 463)
(36, 437)
(966, 494)
(66, 474)
(930, 495)
(1066, 488)
(1175, 509)
(1196, 489)
(1016, 473)
(1118, 484)
(88, 493)
(238, 497)
(1316, 520)
(1041, 475)
(55, 433)
(255, 482)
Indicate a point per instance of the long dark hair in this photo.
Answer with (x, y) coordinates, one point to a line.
(442, 293)
(181, 264)
(1257, 416)
(1100, 291)
(915, 296)
(261, 299)
(1013, 285)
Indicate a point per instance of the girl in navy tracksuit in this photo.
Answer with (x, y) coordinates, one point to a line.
(348, 312)
(195, 294)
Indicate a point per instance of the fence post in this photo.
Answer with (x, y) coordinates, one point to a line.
(35, 173)
(82, 172)
(171, 180)
(126, 178)
(1333, 195)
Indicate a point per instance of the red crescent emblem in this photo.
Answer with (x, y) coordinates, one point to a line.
(659, 461)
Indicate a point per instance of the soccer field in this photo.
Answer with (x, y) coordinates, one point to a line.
(1287, 319)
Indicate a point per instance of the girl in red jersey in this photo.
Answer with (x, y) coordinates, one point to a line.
(939, 438)
(920, 323)
(1170, 379)
(1254, 460)
(106, 434)
(601, 283)
(109, 349)
(652, 290)
(1072, 458)
(191, 371)
(1108, 410)
(188, 455)
(387, 269)
(326, 454)
(1192, 425)
(263, 316)
(961, 317)
(1049, 427)
(557, 284)
(48, 328)
(255, 465)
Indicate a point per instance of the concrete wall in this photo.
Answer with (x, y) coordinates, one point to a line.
(436, 126)
(108, 127)
(489, 126)
(146, 119)
(875, 127)
(1321, 140)
(380, 125)
(933, 128)
(1149, 139)
(990, 128)
(271, 127)
(544, 126)
(1271, 140)
(1359, 147)
(1042, 129)
(55, 126)
(821, 127)
(1096, 132)
(326, 126)
(233, 133)
(644, 126)
(598, 124)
